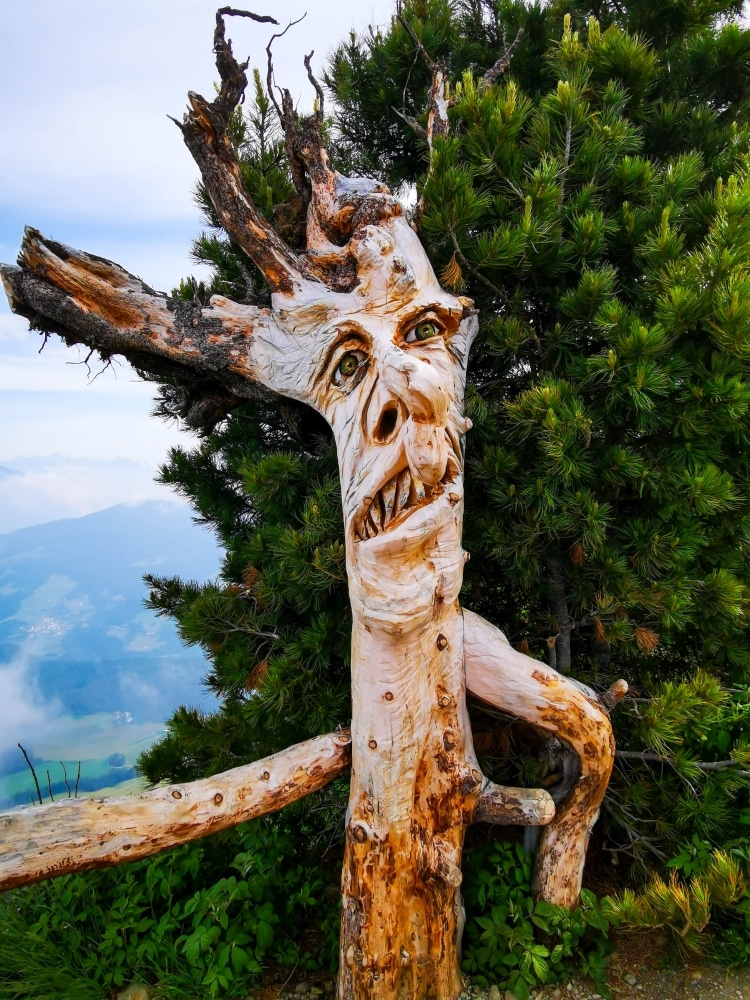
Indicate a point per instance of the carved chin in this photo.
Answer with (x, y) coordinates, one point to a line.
(398, 498)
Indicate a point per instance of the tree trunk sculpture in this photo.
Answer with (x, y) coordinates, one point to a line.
(360, 329)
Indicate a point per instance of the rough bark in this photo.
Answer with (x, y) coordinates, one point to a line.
(76, 835)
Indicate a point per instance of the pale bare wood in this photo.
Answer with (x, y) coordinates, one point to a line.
(507, 679)
(506, 806)
(76, 835)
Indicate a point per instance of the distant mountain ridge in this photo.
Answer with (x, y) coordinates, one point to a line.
(38, 489)
(79, 654)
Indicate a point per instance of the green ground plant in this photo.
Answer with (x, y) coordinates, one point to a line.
(184, 921)
(516, 943)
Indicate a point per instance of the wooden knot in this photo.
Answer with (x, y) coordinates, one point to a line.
(265, 776)
(449, 739)
(218, 799)
(442, 642)
(176, 794)
(444, 701)
(388, 695)
(360, 834)
(454, 498)
(373, 744)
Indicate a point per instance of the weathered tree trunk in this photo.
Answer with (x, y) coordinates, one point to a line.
(559, 608)
(361, 330)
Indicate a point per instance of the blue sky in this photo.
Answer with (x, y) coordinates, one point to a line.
(90, 158)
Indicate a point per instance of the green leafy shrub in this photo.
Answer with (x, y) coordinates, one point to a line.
(517, 943)
(180, 920)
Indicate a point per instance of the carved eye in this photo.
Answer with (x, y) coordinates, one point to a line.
(422, 331)
(349, 369)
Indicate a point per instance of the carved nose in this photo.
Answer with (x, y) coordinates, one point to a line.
(419, 388)
(388, 422)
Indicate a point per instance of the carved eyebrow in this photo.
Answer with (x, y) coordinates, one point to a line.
(450, 318)
(349, 335)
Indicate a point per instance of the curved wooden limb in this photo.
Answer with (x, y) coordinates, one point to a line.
(507, 679)
(79, 834)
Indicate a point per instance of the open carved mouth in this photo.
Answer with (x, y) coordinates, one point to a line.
(402, 494)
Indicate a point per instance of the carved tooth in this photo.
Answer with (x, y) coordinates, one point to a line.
(416, 493)
(373, 519)
(388, 499)
(402, 491)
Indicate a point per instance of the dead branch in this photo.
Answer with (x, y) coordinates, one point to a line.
(431, 64)
(81, 834)
(65, 777)
(205, 130)
(316, 86)
(234, 12)
(494, 73)
(657, 758)
(613, 695)
(33, 772)
(91, 301)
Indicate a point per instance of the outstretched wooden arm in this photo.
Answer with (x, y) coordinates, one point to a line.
(91, 301)
(81, 834)
(77, 835)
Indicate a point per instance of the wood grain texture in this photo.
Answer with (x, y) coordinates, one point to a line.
(80, 834)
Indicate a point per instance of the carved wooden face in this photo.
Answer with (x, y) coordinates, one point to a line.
(385, 365)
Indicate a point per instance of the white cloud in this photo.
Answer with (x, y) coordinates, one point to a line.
(88, 135)
(22, 711)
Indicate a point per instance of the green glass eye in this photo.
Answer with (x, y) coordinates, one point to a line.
(425, 330)
(349, 367)
(422, 331)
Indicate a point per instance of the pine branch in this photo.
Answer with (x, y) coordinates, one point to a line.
(657, 758)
